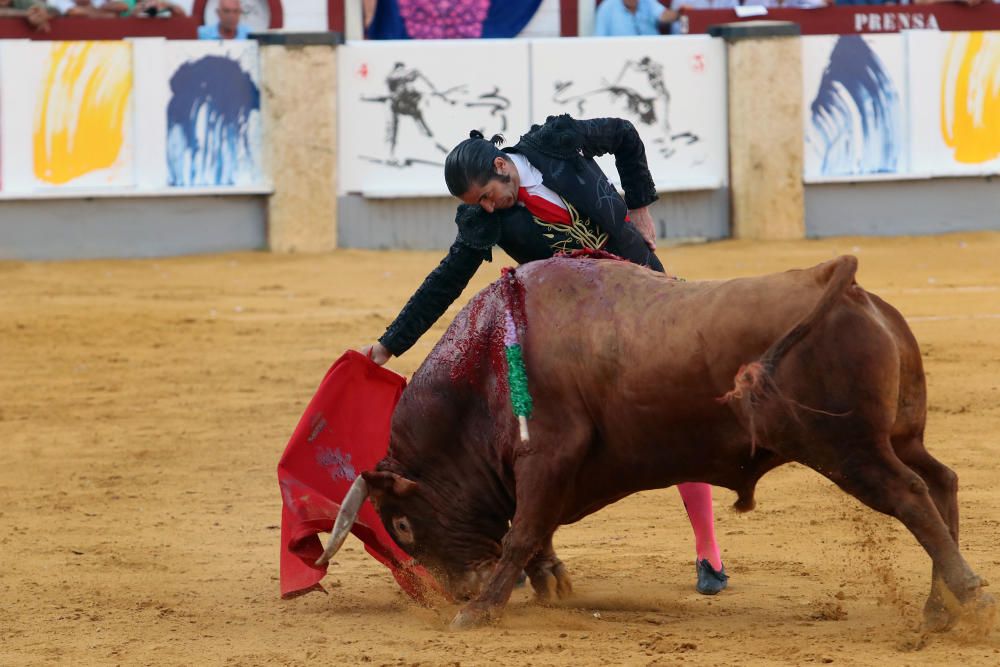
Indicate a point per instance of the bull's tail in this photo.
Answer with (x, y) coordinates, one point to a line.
(754, 383)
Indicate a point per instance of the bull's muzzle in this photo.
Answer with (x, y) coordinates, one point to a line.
(346, 517)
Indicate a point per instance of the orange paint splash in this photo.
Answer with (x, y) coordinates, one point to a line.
(81, 112)
(970, 97)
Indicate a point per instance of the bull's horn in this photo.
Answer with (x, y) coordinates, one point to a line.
(346, 517)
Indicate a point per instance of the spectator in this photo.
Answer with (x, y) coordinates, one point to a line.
(620, 18)
(368, 12)
(35, 12)
(229, 26)
(159, 8)
(95, 8)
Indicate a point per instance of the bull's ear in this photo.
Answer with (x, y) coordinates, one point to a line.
(381, 482)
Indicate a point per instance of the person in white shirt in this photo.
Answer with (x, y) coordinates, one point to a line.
(95, 8)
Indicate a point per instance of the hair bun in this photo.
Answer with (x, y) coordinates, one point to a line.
(476, 134)
(497, 140)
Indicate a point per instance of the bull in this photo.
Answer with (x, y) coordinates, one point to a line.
(632, 376)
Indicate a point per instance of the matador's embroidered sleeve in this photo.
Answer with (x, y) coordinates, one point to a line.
(620, 138)
(444, 284)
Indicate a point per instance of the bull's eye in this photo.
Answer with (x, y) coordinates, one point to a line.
(402, 527)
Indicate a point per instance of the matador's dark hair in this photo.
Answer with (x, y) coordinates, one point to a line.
(471, 163)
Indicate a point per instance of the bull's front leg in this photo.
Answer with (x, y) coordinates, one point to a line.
(531, 525)
(541, 482)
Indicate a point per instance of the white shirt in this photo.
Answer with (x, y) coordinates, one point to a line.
(531, 180)
(65, 5)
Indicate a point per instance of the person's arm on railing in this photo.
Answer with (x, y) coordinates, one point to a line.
(35, 12)
(114, 8)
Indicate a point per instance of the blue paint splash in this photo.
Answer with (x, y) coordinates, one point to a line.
(856, 115)
(209, 137)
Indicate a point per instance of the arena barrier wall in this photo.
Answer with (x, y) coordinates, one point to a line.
(304, 146)
(896, 129)
(915, 105)
(121, 138)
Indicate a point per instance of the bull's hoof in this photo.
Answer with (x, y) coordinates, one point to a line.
(551, 581)
(937, 617)
(977, 614)
(981, 612)
(473, 615)
(564, 585)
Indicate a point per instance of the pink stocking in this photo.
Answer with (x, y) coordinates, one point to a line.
(697, 499)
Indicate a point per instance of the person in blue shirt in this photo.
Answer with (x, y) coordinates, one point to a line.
(229, 26)
(621, 18)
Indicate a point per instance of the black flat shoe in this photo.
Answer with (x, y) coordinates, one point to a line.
(710, 582)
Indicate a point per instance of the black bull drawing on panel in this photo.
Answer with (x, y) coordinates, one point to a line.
(632, 375)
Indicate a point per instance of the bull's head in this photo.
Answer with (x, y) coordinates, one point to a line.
(460, 553)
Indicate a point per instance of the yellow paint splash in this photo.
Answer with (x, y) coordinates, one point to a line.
(970, 97)
(81, 112)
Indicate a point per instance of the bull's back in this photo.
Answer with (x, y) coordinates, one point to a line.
(599, 322)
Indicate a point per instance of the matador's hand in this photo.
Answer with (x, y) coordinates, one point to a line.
(377, 352)
(643, 222)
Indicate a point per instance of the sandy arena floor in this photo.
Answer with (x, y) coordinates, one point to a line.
(144, 405)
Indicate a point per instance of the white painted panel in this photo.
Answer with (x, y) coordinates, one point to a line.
(854, 98)
(72, 124)
(403, 105)
(41, 80)
(211, 114)
(15, 119)
(152, 93)
(955, 101)
(673, 90)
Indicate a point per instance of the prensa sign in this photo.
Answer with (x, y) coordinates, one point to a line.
(894, 21)
(853, 19)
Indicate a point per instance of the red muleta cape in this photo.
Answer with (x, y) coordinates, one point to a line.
(345, 430)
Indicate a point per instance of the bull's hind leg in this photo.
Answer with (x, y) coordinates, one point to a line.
(942, 483)
(876, 477)
(548, 574)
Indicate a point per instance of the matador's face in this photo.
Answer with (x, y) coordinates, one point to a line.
(499, 192)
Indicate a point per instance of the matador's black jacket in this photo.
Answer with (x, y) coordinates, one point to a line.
(563, 150)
